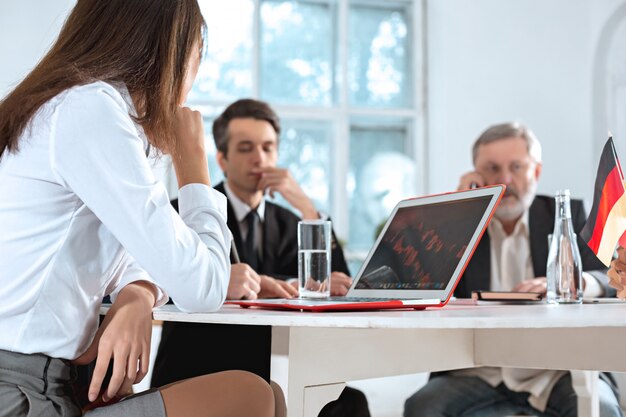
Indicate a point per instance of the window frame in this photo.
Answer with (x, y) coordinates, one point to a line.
(341, 113)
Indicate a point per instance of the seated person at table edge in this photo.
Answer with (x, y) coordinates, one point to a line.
(80, 201)
(512, 255)
(617, 273)
(246, 136)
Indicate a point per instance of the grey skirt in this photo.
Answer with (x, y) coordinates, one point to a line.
(40, 386)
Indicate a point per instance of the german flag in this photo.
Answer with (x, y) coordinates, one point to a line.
(606, 223)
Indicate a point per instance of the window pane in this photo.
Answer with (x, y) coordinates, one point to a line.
(381, 174)
(226, 70)
(215, 171)
(379, 58)
(305, 150)
(296, 53)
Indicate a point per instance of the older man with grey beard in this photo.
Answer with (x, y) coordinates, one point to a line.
(512, 256)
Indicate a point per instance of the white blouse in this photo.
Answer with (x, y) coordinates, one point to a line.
(82, 215)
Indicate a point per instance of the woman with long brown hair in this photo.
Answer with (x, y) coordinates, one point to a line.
(82, 216)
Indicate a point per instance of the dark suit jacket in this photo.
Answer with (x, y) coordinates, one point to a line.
(477, 275)
(189, 349)
(280, 241)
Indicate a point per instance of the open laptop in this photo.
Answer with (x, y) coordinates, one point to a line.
(418, 258)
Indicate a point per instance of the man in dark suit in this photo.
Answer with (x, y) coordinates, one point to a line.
(477, 275)
(265, 236)
(512, 255)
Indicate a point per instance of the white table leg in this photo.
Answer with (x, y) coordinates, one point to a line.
(585, 385)
(321, 360)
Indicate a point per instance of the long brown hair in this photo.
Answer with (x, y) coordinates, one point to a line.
(145, 44)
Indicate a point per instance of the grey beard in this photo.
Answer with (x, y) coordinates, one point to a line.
(510, 213)
(516, 211)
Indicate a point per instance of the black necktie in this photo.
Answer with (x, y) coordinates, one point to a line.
(252, 257)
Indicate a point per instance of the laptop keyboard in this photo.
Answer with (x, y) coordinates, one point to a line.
(361, 299)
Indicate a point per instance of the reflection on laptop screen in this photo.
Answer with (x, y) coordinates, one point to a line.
(423, 245)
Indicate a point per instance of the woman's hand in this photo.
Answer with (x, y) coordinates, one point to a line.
(190, 161)
(123, 337)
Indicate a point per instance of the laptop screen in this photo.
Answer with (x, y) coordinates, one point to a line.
(423, 245)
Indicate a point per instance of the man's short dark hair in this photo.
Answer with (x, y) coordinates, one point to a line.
(246, 108)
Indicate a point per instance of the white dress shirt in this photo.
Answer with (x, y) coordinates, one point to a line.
(511, 263)
(82, 215)
(510, 254)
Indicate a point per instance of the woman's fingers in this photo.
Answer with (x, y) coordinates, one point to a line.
(129, 368)
(120, 358)
(144, 364)
(132, 368)
(125, 339)
(130, 377)
(100, 370)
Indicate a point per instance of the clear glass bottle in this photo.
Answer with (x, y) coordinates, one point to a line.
(564, 270)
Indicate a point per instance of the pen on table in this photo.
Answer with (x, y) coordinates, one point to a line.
(234, 255)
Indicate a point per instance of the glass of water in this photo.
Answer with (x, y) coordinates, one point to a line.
(314, 238)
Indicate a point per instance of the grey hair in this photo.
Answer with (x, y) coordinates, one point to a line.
(506, 131)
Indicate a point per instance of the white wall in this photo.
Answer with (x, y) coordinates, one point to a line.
(488, 61)
(27, 29)
(492, 61)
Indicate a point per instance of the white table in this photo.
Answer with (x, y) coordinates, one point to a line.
(327, 349)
